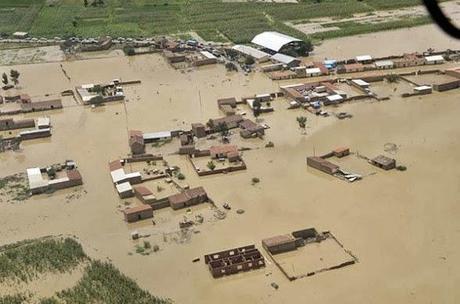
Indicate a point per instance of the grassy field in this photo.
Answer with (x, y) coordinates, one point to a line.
(101, 282)
(212, 19)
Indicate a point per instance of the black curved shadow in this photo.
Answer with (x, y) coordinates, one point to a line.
(439, 17)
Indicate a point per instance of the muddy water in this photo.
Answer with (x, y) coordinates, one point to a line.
(402, 226)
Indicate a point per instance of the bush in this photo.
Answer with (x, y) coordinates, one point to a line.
(255, 180)
(147, 245)
(129, 50)
(211, 165)
(180, 176)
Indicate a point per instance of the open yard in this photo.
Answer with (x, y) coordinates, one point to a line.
(213, 20)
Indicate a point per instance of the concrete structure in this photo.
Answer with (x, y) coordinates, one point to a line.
(454, 72)
(156, 136)
(222, 151)
(144, 195)
(384, 64)
(38, 184)
(276, 42)
(124, 190)
(364, 59)
(136, 142)
(251, 129)
(435, 59)
(424, 89)
(350, 68)
(254, 53)
(37, 133)
(235, 260)
(409, 60)
(322, 165)
(187, 198)
(199, 130)
(341, 152)
(360, 83)
(11, 124)
(286, 60)
(334, 99)
(313, 72)
(231, 122)
(384, 162)
(138, 213)
(43, 123)
(280, 244)
(41, 105)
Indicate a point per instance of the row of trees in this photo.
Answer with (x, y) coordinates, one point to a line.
(14, 76)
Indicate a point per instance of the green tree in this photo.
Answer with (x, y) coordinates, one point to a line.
(85, 3)
(14, 75)
(222, 128)
(302, 120)
(249, 61)
(211, 165)
(5, 79)
(256, 108)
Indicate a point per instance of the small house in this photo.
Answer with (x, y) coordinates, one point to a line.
(435, 59)
(199, 130)
(138, 213)
(384, 162)
(280, 243)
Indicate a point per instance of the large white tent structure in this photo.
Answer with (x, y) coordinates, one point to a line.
(275, 41)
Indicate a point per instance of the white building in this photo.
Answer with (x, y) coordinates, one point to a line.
(384, 64)
(435, 59)
(286, 60)
(360, 83)
(155, 136)
(364, 58)
(274, 41)
(254, 53)
(313, 72)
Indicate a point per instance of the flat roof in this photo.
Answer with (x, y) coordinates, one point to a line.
(384, 63)
(43, 121)
(423, 87)
(363, 57)
(118, 175)
(286, 59)
(124, 187)
(35, 131)
(35, 178)
(157, 135)
(313, 70)
(273, 40)
(249, 50)
(335, 97)
(434, 58)
(140, 208)
(360, 82)
(208, 55)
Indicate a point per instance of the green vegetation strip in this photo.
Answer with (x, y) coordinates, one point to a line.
(354, 28)
(25, 260)
(101, 282)
(212, 19)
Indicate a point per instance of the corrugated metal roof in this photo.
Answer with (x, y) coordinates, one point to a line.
(250, 51)
(285, 59)
(384, 63)
(208, 55)
(434, 58)
(157, 135)
(363, 58)
(273, 40)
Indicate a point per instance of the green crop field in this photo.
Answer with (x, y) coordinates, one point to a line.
(211, 19)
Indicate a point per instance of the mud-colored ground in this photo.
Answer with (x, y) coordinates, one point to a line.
(403, 226)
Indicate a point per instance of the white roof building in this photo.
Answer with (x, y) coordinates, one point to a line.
(285, 59)
(157, 135)
(384, 63)
(360, 83)
(258, 55)
(43, 122)
(208, 55)
(273, 40)
(334, 98)
(313, 71)
(362, 58)
(36, 180)
(434, 59)
(124, 187)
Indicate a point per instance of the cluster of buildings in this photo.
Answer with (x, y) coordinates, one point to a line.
(39, 128)
(191, 58)
(55, 177)
(100, 93)
(322, 163)
(131, 185)
(22, 103)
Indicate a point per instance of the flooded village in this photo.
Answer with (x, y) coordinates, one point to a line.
(257, 176)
